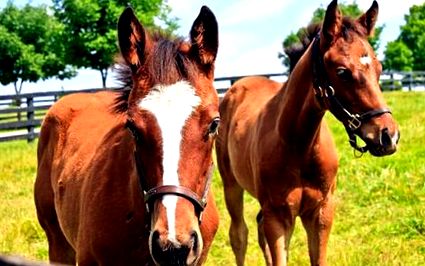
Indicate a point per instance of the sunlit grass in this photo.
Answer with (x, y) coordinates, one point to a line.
(20, 232)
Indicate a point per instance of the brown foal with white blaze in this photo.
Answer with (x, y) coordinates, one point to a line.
(274, 143)
(123, 177)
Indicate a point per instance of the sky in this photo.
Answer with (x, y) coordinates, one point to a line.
(250, 34)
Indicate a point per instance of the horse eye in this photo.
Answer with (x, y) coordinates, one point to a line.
(343, 73)
(213, 128)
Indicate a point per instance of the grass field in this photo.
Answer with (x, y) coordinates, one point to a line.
(380, 216)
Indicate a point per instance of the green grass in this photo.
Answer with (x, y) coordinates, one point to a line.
(20, 232)
(380, 215)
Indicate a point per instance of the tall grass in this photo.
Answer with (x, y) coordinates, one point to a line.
(380, 215)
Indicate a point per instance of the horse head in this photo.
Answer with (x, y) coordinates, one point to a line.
(172, 112)
(346, 80)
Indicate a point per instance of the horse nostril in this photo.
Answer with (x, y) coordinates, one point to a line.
(385, 138)
(194, 241)
(155, 241)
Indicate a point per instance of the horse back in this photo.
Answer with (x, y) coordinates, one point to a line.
(245, 100)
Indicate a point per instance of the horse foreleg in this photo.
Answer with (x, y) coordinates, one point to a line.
(278, 227)
(318, 226)
(262, 241)
(238, 231)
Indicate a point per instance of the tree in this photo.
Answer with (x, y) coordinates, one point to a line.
(351, 10)
(90, 28)
(398, 57)
(29, 46)
(413, 35)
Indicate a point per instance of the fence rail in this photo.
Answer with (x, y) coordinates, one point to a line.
(21, 116)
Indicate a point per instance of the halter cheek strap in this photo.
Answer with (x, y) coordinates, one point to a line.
(324, 91)
(199, 202)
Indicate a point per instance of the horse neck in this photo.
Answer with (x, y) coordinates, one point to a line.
(300, 114)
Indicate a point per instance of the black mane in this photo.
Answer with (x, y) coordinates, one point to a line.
(307, 35)
(296, 50)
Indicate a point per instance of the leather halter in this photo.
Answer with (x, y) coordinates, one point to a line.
(324, 90)
(150, 195)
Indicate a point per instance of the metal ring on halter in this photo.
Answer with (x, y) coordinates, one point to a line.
(319, 92)
(331, 89)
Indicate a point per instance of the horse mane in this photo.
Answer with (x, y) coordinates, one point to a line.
(166, 63)
(307, 35)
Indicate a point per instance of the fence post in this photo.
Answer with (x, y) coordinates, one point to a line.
(30, 118)
(392, 81)
(18, 103)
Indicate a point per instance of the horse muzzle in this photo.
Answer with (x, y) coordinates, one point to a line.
(166, 251)
(382, 142)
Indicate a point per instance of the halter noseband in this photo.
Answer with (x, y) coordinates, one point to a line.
(149, 196)
(324, 90)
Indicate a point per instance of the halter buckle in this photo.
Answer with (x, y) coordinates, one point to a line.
(354, 123)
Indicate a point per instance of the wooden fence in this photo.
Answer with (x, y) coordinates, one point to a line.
(21, 116)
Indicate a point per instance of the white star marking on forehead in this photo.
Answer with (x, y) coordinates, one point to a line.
(171, 105)
(365, 60)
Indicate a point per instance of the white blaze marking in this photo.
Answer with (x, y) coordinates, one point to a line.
(365, 60)
(171, 105)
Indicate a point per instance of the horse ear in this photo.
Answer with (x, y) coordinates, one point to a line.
(204, 38)
(131, 39)
(332, 23)
(368, 19)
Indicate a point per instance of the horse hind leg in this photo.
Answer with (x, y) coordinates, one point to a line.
(262, 241)
(233, 196)
(238, 231)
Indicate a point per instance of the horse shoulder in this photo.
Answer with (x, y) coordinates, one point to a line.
(323, 160)
(75, 131)
(76, 119)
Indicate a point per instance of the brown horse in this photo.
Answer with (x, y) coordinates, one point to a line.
(123, 178)
(274, 143)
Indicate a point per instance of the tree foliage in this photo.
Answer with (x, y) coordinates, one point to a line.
(30, 47)
(90, 28)
(351, 10)
(413, 37)
(398, 57)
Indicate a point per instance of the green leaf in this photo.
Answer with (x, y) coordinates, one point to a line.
(31, 45)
